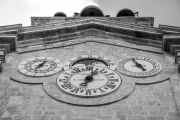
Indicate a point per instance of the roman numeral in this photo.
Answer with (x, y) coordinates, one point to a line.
(63, 80)
(79, 57)
(89, 68)
(75, 90)
(75, 70)
(65, 86)
(110, 74)
(100, 57)
(88, 92)
(114, 80)
(90, 56)
(65, 73)
(108, 60)
(111, 86)
(102, 91)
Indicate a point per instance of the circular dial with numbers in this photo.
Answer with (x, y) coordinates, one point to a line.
(40, 66)
(89, 81)
(86, 60)
(139, 66)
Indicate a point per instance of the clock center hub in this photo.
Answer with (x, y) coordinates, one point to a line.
(89, 78)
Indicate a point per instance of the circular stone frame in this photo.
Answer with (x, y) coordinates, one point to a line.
(156, 67)
(124, 90)
(68, 82)
(18, 76)
(110, 64)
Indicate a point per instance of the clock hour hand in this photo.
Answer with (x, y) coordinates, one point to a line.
(88, 78)
(138, 64)
(41, 64)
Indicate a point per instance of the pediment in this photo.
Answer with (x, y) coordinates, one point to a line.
(108, 27)
(85, 38)
(85, 33)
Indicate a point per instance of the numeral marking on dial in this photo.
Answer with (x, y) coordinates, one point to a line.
(104, 82)
(75, 90)
(113, 80)
(88, 91)
(101, 90)
(67, 86)
(111, 86)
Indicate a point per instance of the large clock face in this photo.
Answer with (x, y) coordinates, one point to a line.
(40, 66)
(139, 66)
(86, 60)
(89, 81)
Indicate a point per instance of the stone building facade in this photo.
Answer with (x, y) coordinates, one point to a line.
(30, 91)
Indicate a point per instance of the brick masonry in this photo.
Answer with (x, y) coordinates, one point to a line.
(22, 101)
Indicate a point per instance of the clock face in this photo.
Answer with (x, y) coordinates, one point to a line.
(138, 66)
(86, 60)
(89, 81)
(40, 66)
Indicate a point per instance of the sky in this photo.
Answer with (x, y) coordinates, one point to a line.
(166, 12)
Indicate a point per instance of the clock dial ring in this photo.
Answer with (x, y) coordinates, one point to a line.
(128, 67)
(85, 60)
(104, 83)
(40, 66)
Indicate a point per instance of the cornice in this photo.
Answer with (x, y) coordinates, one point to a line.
(89, 32)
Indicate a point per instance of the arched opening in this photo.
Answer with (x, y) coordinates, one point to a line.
(60, 14)
(125, 12)
(91, 11)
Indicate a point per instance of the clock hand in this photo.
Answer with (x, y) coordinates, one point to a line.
(93, 72)
(138, 64)
(41, 64)
(89, 78)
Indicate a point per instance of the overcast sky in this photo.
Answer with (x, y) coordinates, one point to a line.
(19, 11)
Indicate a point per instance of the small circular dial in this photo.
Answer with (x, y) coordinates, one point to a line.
(89, 81)
(86, 60)
(40, 66)
(139, 66)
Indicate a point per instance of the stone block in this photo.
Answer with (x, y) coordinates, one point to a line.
(155, 118)
(169, 29)
(137, 40)
(11, 40)
(168, 40)
(5, 46)
(31, 42)
(173, 48)
(123, 112)
(3, 51)
(136, 118)
(52, 39)
(154, 43)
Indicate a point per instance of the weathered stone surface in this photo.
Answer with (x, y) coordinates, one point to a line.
(34, 102)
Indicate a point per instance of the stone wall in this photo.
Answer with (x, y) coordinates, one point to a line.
(155, 99)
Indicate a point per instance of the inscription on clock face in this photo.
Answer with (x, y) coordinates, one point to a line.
(40, 66)
(88, 81)
(86, 60)
(139, 66)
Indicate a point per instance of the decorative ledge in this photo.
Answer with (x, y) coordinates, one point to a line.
(169, 40)
(89, 32)
(93, 38)
(10, 40)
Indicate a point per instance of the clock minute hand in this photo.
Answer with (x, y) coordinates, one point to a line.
(88, 78)
(138, 64)
(40, 65)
